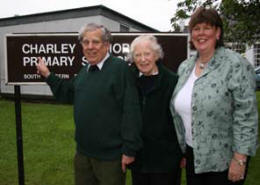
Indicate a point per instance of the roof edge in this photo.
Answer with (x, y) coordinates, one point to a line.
(64, 14)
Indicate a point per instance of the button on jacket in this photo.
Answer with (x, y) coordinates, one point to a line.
(224, 110)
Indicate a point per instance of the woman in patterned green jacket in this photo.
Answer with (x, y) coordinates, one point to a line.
(214, 107)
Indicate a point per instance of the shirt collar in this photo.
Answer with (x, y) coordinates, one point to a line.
(155, 73)
(100, 64)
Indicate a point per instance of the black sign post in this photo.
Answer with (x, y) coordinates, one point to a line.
(19, 137)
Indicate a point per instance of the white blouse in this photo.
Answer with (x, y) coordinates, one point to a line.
(182, 105)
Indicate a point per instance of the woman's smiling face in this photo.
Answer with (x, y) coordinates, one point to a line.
(204, 37)
(145, 58)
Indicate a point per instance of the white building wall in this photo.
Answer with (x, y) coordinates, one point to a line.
(115, 26)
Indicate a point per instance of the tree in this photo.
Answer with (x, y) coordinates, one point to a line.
(241, 18)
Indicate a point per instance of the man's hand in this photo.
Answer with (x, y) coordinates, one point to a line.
(126, 160)
(42, 69)
(183, 163)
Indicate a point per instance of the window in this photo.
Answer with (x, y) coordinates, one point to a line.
(240, 48)
(124, 28)
(257, 54)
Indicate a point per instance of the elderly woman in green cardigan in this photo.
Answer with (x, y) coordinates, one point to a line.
(158, 162)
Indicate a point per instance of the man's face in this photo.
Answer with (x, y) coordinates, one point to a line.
(94, 48)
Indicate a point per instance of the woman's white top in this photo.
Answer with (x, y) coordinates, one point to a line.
(182, 105)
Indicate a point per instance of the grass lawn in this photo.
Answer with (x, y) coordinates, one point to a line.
(49, 147)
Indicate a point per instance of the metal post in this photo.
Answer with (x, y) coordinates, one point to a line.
(19, 138)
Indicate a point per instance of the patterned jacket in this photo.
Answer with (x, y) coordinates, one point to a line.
(224, 110)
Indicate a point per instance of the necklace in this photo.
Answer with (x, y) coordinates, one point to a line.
(202, 65)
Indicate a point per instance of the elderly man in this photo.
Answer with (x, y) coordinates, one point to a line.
(106, 110)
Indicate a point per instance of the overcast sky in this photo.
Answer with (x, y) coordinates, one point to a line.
(154, 13)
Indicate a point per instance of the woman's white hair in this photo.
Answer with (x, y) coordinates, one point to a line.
(155, 46)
